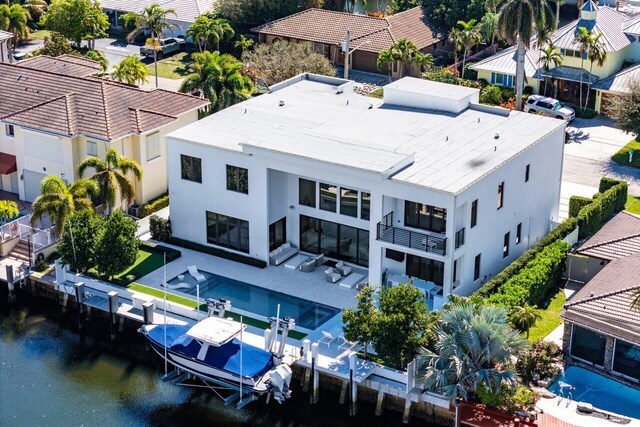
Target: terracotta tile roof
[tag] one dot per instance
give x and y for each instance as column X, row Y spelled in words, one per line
column 604, row 303
column 5, row 35
column 326, row 26
column 69, row 65
column 620, row 237
column 72, row 105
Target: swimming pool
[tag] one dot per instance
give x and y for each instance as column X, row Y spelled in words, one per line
column 262, row 301
column 599, row 391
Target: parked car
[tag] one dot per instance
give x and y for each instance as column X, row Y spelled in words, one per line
column 166, row 46
column 549, row 106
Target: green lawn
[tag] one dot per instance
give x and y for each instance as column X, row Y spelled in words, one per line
column 146, row 262
column 172, row 67
column 40, row 35
column 622, row 156
column 188, row 302
column 378, row 93
column 633, row 205
column 550, row 317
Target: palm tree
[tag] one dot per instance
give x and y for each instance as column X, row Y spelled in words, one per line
column 60, row 200
column 100, row 58
column 385, row 57
column 518, row 19
column 469, row 37
column 243, row 44
column 131, row 70
column 549, row 56
column 455, row 36
column 474, row 345
column 14, row 19
column 405, row 52
column 635, row 303
column 111, row 176
column 8, row 210
column 208, row 29
column 595, row 53
column 219, row 78
column 489, row 28
column 525, row 317
column 35, row 8
column 423, row 60
column 153, row 19
column 558, row 4
column 583, row 39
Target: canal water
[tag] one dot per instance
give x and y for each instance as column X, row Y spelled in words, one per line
column 49, row 376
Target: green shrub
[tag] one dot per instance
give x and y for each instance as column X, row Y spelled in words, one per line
column 593, row 216
column 154, row 205
column 558, row 233
column 576, row 203
column 491, row 95
column 538, row 360
column 218, row 252
column 528, row 90
column 535, row 280
column 607, row 183
column 160, row 228
column 585, row 113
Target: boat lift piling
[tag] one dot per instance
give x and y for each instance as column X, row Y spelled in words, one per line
column 315, row 375
column 306, row 353
column 11, row 298
column 353, row 387
column 113, row 308
column 80, row 298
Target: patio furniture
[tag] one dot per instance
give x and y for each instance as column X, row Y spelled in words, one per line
column 193, row 270
column 308, row 266
column 351, row 281
column 327, row 338
column 319, row 260
column 179, row 285
column 346, row 344
column 282, row 253
column 343, row 269
column 331, row 276
column 294, row 263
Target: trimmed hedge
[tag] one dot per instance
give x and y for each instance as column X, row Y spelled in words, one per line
column 535, row 280
column 160, row 228
column 172, row 254
column 558, row 233
column 218, row 252
column 154, row 205
column 593, row 216
column 576, row 203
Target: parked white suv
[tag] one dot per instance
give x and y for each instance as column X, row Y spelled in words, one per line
column 549, row 106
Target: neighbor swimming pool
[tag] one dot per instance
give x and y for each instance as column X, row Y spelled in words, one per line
column 262, row 301
column 599, row 391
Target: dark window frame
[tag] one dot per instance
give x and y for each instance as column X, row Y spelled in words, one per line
column 505, row 244
column 279, row 225
column 518, row 233
column 415, row 218
column 195, row 165
column 364, row 216
column 225, row 225
column 236, row 181
column 501, row 195
column 624, row 367
column 526, row 173
column 455, row 271
column 588, row 353
column 10, row 130
column 429, row 269
column 474, row 213
column 344, row 209
column 361, row 256
column 324, row 203
column 476, row 267
column 311, row 200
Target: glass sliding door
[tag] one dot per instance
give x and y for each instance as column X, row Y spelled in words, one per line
column 588, row 345
column 277, row 233
column 334, row 240
column 329, row 238
column 425, row 269
column 309, row 234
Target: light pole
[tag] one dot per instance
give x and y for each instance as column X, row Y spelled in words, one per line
column 344, row 46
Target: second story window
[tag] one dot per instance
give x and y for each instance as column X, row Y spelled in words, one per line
column 237, row 179
column 426, row 217
column 505, row 245
column 476, row 268
column 153, row 146
column 526, row 173
column 518, row 233
column 307, row 192
column 500, row 194
column 474, row 213
column 191, row 168
column 92, row 148
column 328, row 197
column 365, row 205
column 10, row 130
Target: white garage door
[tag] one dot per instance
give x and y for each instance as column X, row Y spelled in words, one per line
column 31, row 184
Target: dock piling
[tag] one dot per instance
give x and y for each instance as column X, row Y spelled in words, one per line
column 113, row 308
column 80, row 297
column 343, row 392
column 353, row 387
column 315, row 375
column 380, row 401
column 147, row 309
column 11, row 298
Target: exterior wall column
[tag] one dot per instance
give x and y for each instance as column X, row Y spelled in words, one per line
column 608, row 354
column 566, row 338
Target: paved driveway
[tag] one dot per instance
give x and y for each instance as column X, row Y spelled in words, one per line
column 116, row 50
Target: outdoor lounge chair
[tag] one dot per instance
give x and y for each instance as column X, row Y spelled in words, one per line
column 179, row 285
column 343, row 269
column 308, row 266
column 193, row 270
column 346, row 344
column 319, row 260
column 331, row 276
column 327, row 338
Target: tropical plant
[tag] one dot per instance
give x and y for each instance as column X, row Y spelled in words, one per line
column 8, row 210
column 116, row 247
column 635, row 302
column 281, row 60
column 468, row 37
column 14, row 19
column 539, row 361
column 489, row 28
column 549, row 56
column 100, row 58
column 360, row 324
column 153, row 20
column 583, row 38
column 60, row 200
column 77, row 20
column 111, row 176
column 219, row 78
column 56, row 45
column 525, row 317
column 473, row 346
column 35, row 8
column 78, row 240
column 209, row 29
column 491, row 95
column 243, row 44
column 625, row 108
column 446, row 13
column 595, row 53
column 405, row 52
column 517, row 22
column 131, row 70
column 385, row 57
column 558, row 4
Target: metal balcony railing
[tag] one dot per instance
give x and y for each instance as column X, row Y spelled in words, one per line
column 459, row 237
column 410, row 239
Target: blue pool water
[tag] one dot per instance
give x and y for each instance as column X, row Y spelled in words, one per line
column 599, row 391
column 262, row 301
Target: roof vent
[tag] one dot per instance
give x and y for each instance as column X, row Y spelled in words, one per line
column 347, row 102
column 370, row 106
column 478, row 119
column 496, row 136
column 592, row 294
column 446, row 138
column 245, row 111
column 281, row 103
column 495, row 148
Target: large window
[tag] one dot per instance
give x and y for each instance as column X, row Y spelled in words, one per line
column 328, row 197
column 153, row 146
column 237, row 179
column 365, row 205
column 334, row 240
column 425, row 269
column 278, row 233
column 349, row 202
column 228, row 232
column 626, row 359
column 588, row 345
column 9, row 130
column 501, row 195
column 425, row 217
column 92, row 148
column 307, row 192
column 191, row 168
column 502, row 79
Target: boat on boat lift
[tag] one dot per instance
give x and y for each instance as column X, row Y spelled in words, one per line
column 213, row 350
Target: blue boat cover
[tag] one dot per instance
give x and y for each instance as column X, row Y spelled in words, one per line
column 255, row 361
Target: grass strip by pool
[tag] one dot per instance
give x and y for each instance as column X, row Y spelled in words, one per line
column 188, row 302
column 633, row 205
column 550, row 317
column 622, row 156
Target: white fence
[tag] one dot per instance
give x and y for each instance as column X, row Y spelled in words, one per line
column 21, row 227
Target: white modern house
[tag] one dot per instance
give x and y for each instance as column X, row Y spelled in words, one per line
column 426, row 183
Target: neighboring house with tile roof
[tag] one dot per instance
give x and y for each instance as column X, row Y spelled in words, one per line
column 186, row 11
column 326, row 30
column 620, row 40
column 5, row 47
column 602, row 328
column 55, row 114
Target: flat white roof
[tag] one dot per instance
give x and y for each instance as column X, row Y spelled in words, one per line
column 325, row 121
column 429, row 87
